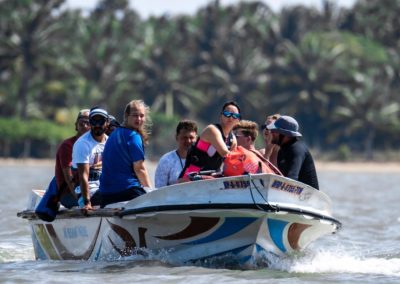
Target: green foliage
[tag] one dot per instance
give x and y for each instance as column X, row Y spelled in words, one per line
column 352, row 44
column 343, row 153
column 16, row 131
column 47, row 131
column 327, row 68
column 13, row 129
column 163, row 134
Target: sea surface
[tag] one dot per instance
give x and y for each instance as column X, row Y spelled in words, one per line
column 365, row 250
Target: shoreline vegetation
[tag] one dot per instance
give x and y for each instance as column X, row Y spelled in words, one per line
column 335, row 69
column 351, row 166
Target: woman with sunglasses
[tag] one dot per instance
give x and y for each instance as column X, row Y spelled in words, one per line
column 214, row 143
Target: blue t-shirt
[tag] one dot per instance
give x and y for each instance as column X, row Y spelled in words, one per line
column 123, row 148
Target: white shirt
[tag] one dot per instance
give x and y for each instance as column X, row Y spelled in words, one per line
column 168, row 169
column 87, row 150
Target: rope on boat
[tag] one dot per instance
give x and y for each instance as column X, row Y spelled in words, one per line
column 251, row 181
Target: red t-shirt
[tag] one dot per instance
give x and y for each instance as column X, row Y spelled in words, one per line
column 64, row 158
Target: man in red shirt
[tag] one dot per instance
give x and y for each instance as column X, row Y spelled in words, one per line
column 66, row 179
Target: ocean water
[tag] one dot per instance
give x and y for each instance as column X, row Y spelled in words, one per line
column 365, row 250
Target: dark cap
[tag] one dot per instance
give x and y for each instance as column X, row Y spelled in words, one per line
column 98, row 111
column 113, row 121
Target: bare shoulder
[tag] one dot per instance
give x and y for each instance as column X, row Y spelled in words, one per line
column 210, row 127
column 210, row 130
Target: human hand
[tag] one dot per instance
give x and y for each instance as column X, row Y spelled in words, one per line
column 88, row 206
column 97, row 166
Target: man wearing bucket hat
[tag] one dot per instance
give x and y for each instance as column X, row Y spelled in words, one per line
column 294, row 158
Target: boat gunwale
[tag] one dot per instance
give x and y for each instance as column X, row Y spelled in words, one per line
column 121, row 212
column 223, row 206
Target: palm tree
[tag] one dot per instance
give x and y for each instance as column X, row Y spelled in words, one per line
column 367, row 110
column 30, row 26
column 101, row 55
column 165, row 67
column 228, row 58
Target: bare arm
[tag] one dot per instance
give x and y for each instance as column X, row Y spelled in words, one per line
column 141, row 173
column 212, row 135
column 68, row 179
column 83, row 172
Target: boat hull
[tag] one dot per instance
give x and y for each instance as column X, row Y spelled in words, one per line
column 243, row 229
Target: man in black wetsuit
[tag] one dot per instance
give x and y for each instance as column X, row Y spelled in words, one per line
column 294, row 158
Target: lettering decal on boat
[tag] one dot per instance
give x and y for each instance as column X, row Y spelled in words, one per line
column 305, row 196
column 235, row 184
column 285, row 186
column 75, row 232
column 63, row 251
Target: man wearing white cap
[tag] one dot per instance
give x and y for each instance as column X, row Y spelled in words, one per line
column 294, row 158
column 87, row 156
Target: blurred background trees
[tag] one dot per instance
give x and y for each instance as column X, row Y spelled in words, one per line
column 336, row 70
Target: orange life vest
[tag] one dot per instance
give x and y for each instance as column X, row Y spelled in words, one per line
column 242, row 161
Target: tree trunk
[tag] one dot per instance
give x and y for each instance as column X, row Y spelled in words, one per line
column 369, row 144
column 6, row 149
column 27, row 68
column 169, row 104
column 27, row 149
column 23, row 93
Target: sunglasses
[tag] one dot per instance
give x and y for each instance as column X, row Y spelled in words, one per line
column 240, row 135
column 99, row 122
column 231, row 114
column 83, row 123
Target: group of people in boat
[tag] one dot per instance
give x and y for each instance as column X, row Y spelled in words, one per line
column 227, row 142
column 104, row 162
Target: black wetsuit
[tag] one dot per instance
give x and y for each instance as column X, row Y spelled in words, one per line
column 296, row 162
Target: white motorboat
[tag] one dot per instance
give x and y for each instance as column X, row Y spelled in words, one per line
column 243, row 218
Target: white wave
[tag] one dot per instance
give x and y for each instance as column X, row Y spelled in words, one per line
column 16, row 251
column 340, row 262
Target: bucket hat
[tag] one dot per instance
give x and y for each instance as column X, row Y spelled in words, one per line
column 285, row 125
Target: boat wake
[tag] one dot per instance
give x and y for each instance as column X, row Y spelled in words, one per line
column 310, row 262
column 338, row 261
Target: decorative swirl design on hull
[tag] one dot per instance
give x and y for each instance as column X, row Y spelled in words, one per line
column 197, row 226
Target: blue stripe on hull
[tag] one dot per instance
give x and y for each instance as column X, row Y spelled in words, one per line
column 276, row 228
